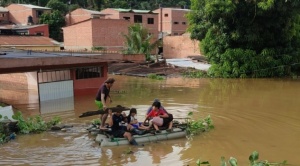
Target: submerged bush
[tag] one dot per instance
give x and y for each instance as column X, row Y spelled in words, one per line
column 194, row 74
column 24, row 126
column 34, row 124
column 253, row 159
column 155, row 76
column 195, row 127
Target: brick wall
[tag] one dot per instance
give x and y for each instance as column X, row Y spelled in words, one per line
column 180, row 47
column 111, row 13
column 76, row 16
column 40, row 29
column 105, row 33
column 169, row 16
column 78, row 36
column 114, row 14
column 178, row 16
column 14, row 87
column 134, row 57
column 18, row 14
column 3, row 16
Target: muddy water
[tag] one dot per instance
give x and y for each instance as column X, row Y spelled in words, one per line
column 249, row 114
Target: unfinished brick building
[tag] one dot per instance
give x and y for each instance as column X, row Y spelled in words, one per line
column 95, row 32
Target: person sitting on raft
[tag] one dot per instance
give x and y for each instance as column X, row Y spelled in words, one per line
column 158, row 117
column 117, row 130
column 151, row 107
column 132, row 120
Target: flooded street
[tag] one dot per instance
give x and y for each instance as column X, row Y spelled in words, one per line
column 248, row 115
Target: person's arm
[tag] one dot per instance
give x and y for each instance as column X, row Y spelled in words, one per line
column 147, row 118
column 163, row 114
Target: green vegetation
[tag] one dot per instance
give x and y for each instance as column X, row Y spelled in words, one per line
column 253, row 159
column 98, row 48
column 194, row 74
column 30, row 125
column 155, row 77
column 253, row 38
column 96, row 122
column 55, row 21
column 195, row 127
column 33, row 124
column 138, row 41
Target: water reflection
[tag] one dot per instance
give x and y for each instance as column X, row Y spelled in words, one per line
column 249, row 114
column 58, row 105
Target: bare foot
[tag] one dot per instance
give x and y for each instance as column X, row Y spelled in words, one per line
column 103, row 128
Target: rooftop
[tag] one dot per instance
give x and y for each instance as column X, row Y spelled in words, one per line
column 26, row 40
column 13, row 26
column 2, row 9
column 93, row 12
column 35, row 7
column 132, row 10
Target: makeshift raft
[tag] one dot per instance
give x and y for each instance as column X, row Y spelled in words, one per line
column 105, row 140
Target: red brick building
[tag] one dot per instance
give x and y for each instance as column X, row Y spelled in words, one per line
column 172, row 21
column 80, row 15
column 3, row 15
column 32, row 30
column 147, row 18
column 96, row 32
column 25, row 14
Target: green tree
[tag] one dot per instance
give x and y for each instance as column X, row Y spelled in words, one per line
column 55, row 20
column 138, row 41
column 252, row 38
column 58, row 5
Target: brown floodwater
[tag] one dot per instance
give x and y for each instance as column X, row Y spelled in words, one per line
column 248, row 115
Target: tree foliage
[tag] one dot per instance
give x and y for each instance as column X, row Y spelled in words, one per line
column 138, row 41
column 247, row 38
column 58, row 5
column 55, row 21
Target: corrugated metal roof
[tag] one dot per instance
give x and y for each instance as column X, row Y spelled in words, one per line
column 27, row 40
column 35, row 7
column 28, row 26
column 132, row 10
column 93, row 12
column 186, row 62
column 13, row 26
column 2, row 9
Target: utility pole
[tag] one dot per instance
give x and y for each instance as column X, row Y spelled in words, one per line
column 161, row 30
column 69, row 3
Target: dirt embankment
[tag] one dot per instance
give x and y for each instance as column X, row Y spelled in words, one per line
column 142, row 70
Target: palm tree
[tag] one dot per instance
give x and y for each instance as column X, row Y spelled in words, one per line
column 138, row 41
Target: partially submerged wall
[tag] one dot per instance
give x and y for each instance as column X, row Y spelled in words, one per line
column 180, row 47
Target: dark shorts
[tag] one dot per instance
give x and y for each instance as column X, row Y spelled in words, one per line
column 118, row 133
column 166, row 121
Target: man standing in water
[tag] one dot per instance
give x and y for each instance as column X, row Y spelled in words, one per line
column 103, row 99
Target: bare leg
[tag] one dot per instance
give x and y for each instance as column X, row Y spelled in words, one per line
column 103, row 120
column 155, row 126
column 170, row 125
column 127, row 135
column 100, row 118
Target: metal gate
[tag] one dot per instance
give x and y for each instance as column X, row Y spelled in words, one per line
column 55, row 85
